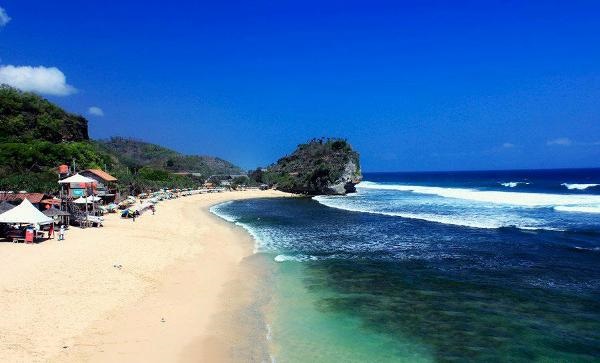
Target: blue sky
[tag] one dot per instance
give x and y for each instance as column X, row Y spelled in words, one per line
column 423, row 85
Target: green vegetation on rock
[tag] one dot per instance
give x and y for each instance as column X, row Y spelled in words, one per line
column 321, row 166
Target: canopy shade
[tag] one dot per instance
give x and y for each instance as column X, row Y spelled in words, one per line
column 25, row 213
column 77, row 178
column 5, row 206
column 89, row 200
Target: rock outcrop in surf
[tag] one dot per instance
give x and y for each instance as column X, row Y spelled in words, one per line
column 319, row 167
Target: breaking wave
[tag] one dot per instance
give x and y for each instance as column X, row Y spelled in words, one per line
column 513, row 184
column 579, row 186
column 474, row 221
column 577, row 209
column 496, row 197
column 471, row 207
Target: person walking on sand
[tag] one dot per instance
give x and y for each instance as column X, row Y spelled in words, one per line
column 133, row 215
column 51, row 231
column 61, row 233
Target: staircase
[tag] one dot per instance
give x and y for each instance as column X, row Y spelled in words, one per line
column 77, row 214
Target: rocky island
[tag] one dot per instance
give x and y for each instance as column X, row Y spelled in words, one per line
column 321, row 166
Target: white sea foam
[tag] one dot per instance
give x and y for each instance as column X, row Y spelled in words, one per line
column 216, row 210
column 496, row 197
column 269, row 334
column 298, row 258
column 474, row 221
column 593, row 249
column 513, row 184
column 577, row 209
column 578, row 186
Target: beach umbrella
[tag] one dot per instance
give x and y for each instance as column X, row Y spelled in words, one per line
column 88, row 200
column 78, row 179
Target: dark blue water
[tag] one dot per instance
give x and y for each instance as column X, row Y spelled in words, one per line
column 397, row 266
column 542, row 181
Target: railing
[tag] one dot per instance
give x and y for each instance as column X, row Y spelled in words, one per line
column 77, row 214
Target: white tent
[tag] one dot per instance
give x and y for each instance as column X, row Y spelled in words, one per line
column 89, row 200
column 77, row 178
column 25, row 213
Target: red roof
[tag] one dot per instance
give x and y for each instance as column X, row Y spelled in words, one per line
column 12, row 197
column 102, row 174
column 54, row 201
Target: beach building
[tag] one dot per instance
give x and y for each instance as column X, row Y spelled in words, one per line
column 39, row 200
column 106, row 184
column 77, row 186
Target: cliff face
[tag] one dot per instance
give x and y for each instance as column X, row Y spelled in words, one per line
column 321, row 166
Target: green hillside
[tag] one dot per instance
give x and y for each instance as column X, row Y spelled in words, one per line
column 36, row 136
column 25, row 116
column 136, row 153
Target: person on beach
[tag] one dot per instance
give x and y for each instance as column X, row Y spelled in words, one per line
column 51, row 231
column 61, row 233
column 153, row 209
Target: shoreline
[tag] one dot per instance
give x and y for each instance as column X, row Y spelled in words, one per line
column 169, row 287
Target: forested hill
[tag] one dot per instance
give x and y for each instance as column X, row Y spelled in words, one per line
column 36, row 136
column 137, row 153
column 26, row 116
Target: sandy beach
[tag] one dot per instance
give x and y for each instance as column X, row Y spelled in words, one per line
column 164, row 288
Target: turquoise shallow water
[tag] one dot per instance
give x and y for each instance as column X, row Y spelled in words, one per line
column 305, row 329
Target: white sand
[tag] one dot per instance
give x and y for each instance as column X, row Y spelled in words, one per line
column 65, row 301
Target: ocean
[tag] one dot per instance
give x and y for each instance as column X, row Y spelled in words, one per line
column 491, row 266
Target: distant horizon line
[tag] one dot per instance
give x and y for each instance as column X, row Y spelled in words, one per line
column 480, row 170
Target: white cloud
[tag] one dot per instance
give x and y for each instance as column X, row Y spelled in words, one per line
column 4, row 18
column 96, row 111
column 508, row 145
column 561, row 141
column 44, row 80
